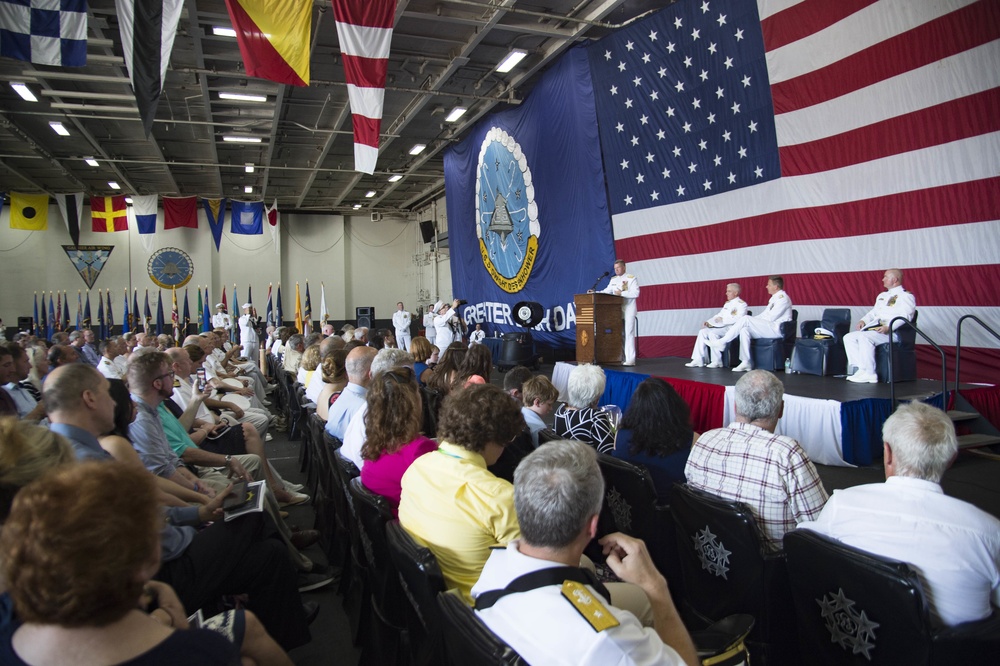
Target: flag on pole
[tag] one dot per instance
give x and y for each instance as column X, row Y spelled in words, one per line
column 307, row 315
column 364, row 28
column 44, row 326
column 269, row 316
column 234, row 332
column 35, row 323
column 126, row 315
column 225, row 305
column 175, row 317
column 274, row 38
column 50, row 329
column 86, row 311
column 133, row 321
column 160, row 320
column 298, row 310
column 65, row 314
column 324, row 314
column 272, row 223
column 58, row 313
column 206, row 314
column 280, row 320
column 147, row 30
column 147, row 315
column 79, row 310
column 110, row 315
column 71, row 209
column 201, row 311
column 186, row 317
column 45, row 33
column 108, row 214
column 102, row 326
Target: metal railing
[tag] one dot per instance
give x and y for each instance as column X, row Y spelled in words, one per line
column 958, row 341
column 892, row 359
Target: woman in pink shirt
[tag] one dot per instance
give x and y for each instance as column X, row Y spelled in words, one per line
column 392, row 425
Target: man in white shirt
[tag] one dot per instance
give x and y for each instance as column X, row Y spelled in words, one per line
column 627, row 286
column 401, row 322
column 248, row 333
column 429, row 331
column 873, row 329
column 444, row 329
column 111, row 350
column 477, row 336
column 716, row 327
column 953, row 546
column 221, row 318
column 765, row 325
column 568, row 618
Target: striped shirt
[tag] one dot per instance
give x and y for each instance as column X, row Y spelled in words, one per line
column 770, row 473
column 589, row 425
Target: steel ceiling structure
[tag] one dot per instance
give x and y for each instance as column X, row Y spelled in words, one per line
column 444, row 54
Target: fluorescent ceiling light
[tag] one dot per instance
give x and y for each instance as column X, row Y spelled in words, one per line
column 249, row 167
column 357, row 206
column 114, row 185
column 241, row 139
column 128, row 200
column 417, row 148
column 59, row 129
column 369, row 194
column 242, row 97
column 510, row 62
column 24, row 91
column 455, row 114
column 223, row 32
column 248, row 189
column 91, row 161
column 395, row 177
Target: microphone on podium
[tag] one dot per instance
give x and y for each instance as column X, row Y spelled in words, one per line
column 604, row 275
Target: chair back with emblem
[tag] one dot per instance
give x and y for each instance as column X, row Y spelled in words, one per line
column 630, row 507
column 469, row 640
column 727, row 571
column 826, row 356
column 422, row 581
column 354, row 584
column 386, row 638
column 855, row 607
column 904, row 355
column 770, row 353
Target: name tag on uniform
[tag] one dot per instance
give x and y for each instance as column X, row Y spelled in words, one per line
column 592, row 610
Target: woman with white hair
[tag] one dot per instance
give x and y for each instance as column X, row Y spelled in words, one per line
column 580, row 418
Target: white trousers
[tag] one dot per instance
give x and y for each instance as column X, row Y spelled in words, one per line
column 748, row 328
column 628, row 312
column 403, row 338
column 700, row 345
column 860, row 348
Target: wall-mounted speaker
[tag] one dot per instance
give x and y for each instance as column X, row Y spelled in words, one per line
column 427, row 230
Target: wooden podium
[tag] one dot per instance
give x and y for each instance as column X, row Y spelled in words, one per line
column 599, row 328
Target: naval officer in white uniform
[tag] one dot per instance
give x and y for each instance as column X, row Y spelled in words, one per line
column 625, row 285
column 716, row 327
column 401, row 322
column 873, row 329
column 765, row 325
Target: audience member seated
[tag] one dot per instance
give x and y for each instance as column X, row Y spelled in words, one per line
column 420, row 347
column 27, row 452
column 111, row 350
column 60, row 355
column 308, row 365
column 514, row 379
column 358, row 364
column 333, row 369
column 361, row 335
column 953, row 546
column 164, row 342
column 748, row 463
column 476, row 368
column 656, row 432
column 293, row 353
column 355, row 434
column 38, row 356
column 540, row 397
column 392, row 432
column 76, row 578
column 558, row 491
column 258, row 417
column 449, row 500
column 580, row 418
column 383, row 339
column 447, row 369
column 82, row 342
column 318, row 381
column 15, row 383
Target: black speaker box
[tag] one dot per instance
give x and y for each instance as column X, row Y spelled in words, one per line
column 427, row 230
column 365, row 316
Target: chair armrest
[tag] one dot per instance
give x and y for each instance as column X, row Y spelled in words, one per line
column 840, row 330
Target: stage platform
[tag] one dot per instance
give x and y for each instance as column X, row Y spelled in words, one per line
column 837, row 422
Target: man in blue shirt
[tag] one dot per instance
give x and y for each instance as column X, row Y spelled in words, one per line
column 359, row 366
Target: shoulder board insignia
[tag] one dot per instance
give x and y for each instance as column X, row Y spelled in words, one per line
column 781, row 295
column 592, row 610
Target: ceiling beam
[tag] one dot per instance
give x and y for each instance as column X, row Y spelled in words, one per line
column 194, row 28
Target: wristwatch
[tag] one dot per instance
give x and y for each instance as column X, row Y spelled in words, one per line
column 229, row 459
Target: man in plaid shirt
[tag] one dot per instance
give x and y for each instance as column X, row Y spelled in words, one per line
column 748, row 463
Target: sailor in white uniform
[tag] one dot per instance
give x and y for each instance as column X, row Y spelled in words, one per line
column 873, row 329
column 625, row 285
column 716, row 327
column 401, row 322
column 765, row 325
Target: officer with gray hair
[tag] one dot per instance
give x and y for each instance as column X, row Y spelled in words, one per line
column 534, row 595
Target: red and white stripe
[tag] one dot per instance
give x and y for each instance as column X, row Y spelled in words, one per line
column 365, row 31
column 889, row 136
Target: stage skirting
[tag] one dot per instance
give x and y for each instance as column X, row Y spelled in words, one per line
column 831, row 432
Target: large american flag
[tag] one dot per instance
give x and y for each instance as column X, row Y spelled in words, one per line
column 823, row 141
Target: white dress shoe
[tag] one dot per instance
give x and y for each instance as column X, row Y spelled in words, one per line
column 694, row 364
column 743, row 367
